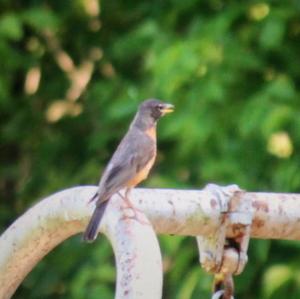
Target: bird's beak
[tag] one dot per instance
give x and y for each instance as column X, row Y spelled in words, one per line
column 168, row 108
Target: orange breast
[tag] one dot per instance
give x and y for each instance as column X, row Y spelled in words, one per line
column 142, row 175
column 151, row 132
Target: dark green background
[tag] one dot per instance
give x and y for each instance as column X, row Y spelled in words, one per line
column 230, row 67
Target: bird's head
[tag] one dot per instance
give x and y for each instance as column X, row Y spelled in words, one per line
column 155, row 109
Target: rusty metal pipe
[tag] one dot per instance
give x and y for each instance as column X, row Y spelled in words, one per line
column 275, row 215
column 180, row 212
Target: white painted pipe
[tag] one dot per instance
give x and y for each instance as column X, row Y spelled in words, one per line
column 181, row 212
column 66, row 213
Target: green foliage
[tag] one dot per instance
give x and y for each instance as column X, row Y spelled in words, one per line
column 230, row 67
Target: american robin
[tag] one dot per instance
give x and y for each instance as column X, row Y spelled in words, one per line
column 131, row 162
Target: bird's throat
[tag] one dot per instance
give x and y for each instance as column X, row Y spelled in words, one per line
column 151, row 132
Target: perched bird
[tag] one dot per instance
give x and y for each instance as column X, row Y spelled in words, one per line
column 131, row 162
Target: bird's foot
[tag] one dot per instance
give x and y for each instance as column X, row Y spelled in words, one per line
column 130, row 212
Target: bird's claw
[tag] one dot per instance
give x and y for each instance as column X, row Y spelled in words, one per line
column 130, row 212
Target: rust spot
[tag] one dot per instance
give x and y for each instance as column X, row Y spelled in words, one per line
column 213, row 203
column 260, row 206
column 258, row 223
column 238, row 231
column 239, row 238
column 237, row 227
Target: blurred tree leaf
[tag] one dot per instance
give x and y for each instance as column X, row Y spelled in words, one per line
column 40, row 18
column 272, row 33
column 11, row 27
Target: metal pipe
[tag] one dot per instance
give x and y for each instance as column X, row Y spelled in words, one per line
column 180, row 212
column 66, row 213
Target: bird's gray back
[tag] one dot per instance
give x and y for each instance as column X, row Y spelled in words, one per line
column 134, row 151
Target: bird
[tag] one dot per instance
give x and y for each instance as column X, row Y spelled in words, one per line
column 131, row 162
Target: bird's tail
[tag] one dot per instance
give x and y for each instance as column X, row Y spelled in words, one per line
column 91, row 231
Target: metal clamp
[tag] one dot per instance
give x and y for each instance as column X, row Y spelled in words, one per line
column 225, row 251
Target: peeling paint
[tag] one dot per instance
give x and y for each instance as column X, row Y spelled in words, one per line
column 258, row 205
column 184, row 212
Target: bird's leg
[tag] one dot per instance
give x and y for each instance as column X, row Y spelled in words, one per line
column 127, row 200
column 120, row 194
column 129, row 205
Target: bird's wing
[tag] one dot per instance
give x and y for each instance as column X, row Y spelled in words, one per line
column 133, row 153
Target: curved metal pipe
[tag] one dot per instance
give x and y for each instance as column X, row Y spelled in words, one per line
column 66, row 213
column 182, row 212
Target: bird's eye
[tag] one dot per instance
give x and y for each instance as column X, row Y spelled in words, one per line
column 160, row 106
